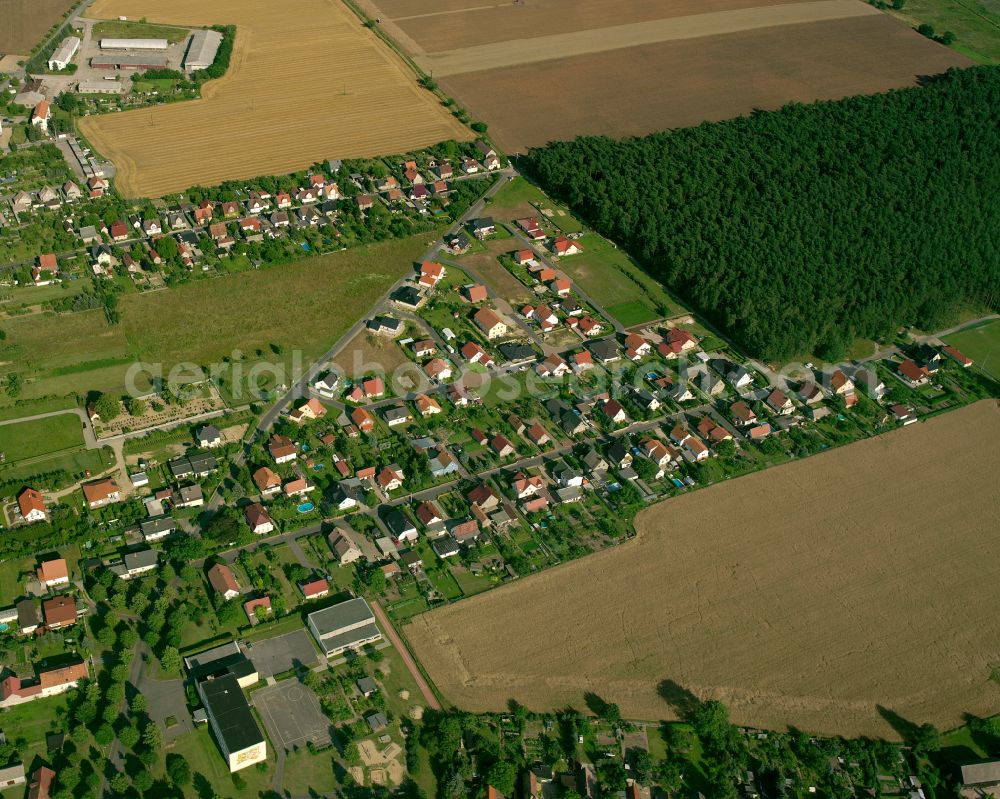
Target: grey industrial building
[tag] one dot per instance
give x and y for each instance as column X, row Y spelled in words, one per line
column 201, row 50
column 346, row 625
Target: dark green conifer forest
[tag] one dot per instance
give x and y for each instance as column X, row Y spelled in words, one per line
column 800, row 229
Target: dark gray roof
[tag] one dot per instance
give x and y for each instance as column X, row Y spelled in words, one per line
column 344, row 614
column 397, row 522
column 226, row 703
column 27, row 613
column 604, row 349
column 142, row 559
column 367, row 685
column 514, row 351
column 209, row 433
column 157, row 524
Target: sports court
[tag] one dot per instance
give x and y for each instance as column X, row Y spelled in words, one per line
column 292, row 715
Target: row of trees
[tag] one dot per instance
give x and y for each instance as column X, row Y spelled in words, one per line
column 800, row 229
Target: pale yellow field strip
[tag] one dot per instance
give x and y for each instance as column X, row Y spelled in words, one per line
column 618, row 37
column 809, row 594
column 306, row 82
column 451, row 11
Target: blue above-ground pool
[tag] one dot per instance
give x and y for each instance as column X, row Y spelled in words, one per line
column 305, row 507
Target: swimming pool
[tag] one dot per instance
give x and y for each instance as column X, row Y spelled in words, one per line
column 305, row 507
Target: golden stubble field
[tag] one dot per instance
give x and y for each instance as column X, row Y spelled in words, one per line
column 306, row 82
column 809, row 595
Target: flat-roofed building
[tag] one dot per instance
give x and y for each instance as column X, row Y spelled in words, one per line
column 202, row 49
column 346, row 625
column 100, row 87
column 236, row 730
column 11, row 776
column 133, row 44
column 126, row 61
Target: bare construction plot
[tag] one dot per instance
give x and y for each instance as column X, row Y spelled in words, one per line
column 306, row 82
column 809, row 595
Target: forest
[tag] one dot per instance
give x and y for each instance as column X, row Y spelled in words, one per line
column 802, row 229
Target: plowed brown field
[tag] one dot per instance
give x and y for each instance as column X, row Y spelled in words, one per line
column 810, row 594
column 543, row 70
column 682, row 83
column 306, row 82
column 23, row 22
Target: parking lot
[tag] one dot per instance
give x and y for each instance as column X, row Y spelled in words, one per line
column 276, row 655
column 292, row 714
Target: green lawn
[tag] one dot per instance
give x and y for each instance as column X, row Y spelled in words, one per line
column 632, row 313
column 11, row 584
column 281, row 316
column 975, row 23
column 982, row 344
column 129, row 29
column 205, row 759
column 32, row 721
column 517, row 192
column 40, row 437
column 74, row 463
column 306, row 773
column 608, row 275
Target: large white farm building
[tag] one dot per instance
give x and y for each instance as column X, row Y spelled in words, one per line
column 202, row 49
column 64, row 53
column 133, row 44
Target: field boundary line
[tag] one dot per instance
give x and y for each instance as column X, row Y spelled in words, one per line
column 517, row 52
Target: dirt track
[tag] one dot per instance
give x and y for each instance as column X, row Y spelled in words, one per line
column 807, row 595
column 306, row 82
column 620, row 37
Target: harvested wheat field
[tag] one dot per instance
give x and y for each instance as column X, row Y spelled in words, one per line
column 806, row 595
column 554, row 69
column 306, row 82
column 23, row 22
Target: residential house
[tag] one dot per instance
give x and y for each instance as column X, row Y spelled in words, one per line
column 222, row 579
column 492, row 325
column 438, row 369
column 531, row 228
column 427, row 406
column 779, row 402
column 345, row 550
column 258, row 519
column 59, row 612
column 431, row 273
column 307, row 411
column 53, row 573
column 363, row 420
column 553, row 366
column 810, row 393
column 564, row 246
column 297, row 487
column 429, row 515
column 613, row 410
column 282, row 449
column 100, row 493
column 636, row 347
column 315, row 589
column 475, row 292
column 957, row 356
column 390, row 478
column 399, row 525
column 31, row 506
column 743, row 414
column 913, row 375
